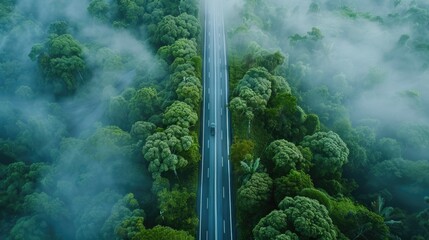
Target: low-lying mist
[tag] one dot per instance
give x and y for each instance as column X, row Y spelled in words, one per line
column 84, row 165
column 362, row 67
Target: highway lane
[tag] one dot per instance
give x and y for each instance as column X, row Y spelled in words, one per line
column 215, row 201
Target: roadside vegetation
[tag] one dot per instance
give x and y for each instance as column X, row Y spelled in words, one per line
column 309, row 161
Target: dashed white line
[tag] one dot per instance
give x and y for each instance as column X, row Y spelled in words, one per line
column 208, row 172
column 223, row 192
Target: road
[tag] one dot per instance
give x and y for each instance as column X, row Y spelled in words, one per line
column 214, row 197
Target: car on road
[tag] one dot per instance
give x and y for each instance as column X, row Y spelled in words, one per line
column 212, row 128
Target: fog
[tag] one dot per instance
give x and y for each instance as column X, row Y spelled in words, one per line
column 91, row 165
column 371, row 58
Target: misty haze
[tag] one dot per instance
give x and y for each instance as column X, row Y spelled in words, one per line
column 105, row 128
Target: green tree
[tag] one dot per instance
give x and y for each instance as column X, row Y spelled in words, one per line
column 241, row 149
column 190, row 92
column 162, row 150
column 254, row 199
column 181, row 114
column 17, row 181
column 31, row 228
column 357, row 222
column 177, row 209
column 282, row 156
column 163, row 233
column 172, row 28
column 329, row 153
column 297, row 218
column 61, row 62
column 123, row 213
column 291, row 185
column 92, row 216
column 249, row 168
column 99, row 9
column 130, row 12
column 143, row 104
column 141, row 130
column 118, row 111
column 183, row 48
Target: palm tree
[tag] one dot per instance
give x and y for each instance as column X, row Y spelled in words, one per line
column 249, row 168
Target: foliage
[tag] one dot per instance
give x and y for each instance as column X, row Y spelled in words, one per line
column 181, row 114
column 291, row 185
column 241, row 149
column 297, row 218
column 329, row 153
column 17, row 181
column 123, row 213
column 356, row 221
column 141, row 130
column 190, row 92
column 162, row 233
column 282, row 156
column 61, row 62
column 249, row 168
column 253, row 200
column 318, row 195
column 177, row 209
column 143, row 104
column 160, row 156
column 172, row 28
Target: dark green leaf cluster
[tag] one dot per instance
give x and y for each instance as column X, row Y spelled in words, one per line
column 61, row 61
column 329, row 153
column 297, row 218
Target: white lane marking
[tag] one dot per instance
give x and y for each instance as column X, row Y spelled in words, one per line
column 222, row 161
column 221, row 135
column 208, row 172
column 207, row 235
column 208, row 143
column 207, row 204
column 224, row 226
column 223, row 192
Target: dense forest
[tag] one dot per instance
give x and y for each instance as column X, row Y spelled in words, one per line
column 99, row 118
column 336, row 140
column 100, row 108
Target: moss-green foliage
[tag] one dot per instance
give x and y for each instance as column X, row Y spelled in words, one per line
column 291, row 185
column 241, row 150
column 177, row 209
column 356, row 221
column 297, row 218
column 282, row 156
column 17, row 181
column 329, row 153
column 162, row 233
column 61, row 61
column 318, row 195
column 253, row 201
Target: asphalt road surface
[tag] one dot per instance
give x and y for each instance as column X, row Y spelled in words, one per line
column 214, row 198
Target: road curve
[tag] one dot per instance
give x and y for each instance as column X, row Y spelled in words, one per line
column 215, row 208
